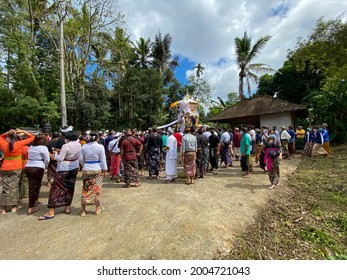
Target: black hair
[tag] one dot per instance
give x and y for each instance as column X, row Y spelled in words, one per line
column 94, row 136
column 13, row 138
column 71, row 135
column 55, row 134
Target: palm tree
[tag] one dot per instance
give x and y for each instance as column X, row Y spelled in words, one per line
column 199, row 70
column 142, row 49
column 245, row 54
column 161, row 53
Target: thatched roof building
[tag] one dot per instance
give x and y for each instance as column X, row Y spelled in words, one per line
column 264, row 110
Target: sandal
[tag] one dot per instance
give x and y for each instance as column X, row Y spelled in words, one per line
column 187, row 182
column 137, row 184
column 271, row 187
column 33, row 210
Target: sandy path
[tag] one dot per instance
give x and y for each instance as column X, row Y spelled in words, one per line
column 154, row 221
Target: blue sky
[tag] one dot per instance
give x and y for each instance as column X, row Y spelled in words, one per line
column 184, row 65
column 204, row 31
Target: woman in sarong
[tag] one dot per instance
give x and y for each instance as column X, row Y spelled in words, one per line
column 308, row 142
column 93, row 159
column 272, row 157
column 11, row 169
column 129, row 156
column 38, row 159
column 63, row 187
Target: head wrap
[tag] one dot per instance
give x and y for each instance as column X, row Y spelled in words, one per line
column 66, row 129
column 170, row 130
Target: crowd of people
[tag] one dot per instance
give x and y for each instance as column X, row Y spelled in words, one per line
column 126, row 154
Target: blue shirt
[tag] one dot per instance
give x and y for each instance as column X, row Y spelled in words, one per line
column 325, row 135
column 292, row 135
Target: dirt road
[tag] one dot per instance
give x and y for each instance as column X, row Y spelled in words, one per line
column 155, row 221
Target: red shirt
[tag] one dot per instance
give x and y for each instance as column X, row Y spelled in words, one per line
column 128, row 147
column 237, row 139
column 178, row 137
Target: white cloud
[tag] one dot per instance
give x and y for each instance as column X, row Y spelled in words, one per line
column 204, row 30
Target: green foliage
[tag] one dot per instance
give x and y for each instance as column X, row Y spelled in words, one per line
column 220, row 105
column 110, row 81
column 315, row 74
column 138, row 101
column 199, row 89
column 306, row 219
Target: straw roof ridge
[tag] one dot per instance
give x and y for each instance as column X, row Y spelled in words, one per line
column 257, row 106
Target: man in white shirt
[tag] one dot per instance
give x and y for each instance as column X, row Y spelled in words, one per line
column 171, row 157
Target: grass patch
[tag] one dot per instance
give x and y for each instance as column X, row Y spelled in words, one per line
column 307, row 219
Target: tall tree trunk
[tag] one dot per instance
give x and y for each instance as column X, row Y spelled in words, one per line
column 8, row 74
column 241, row 95
column 62, row 74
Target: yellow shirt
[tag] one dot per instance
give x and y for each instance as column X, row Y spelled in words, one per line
column 300, row 133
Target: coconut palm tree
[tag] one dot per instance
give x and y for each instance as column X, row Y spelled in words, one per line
column 245, row 54
column 142, row 49
column 161, row 57
column 199, row 70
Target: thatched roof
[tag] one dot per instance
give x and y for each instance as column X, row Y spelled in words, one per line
column 258, row 106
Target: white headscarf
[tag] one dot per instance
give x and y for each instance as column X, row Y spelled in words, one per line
column 66, row 129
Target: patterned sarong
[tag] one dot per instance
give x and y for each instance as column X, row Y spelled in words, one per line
column 23, row 186
column 189, row 164
column 131, row 174
column 62, row 189
column 154, row 162
column 10, row 187
column 92, row 185
column 308, row 149
column 200, row 171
